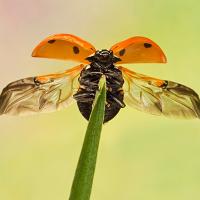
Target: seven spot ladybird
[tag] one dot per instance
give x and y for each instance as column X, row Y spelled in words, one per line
column 54, row 91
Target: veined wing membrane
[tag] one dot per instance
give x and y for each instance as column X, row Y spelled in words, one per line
column 39, row 94
column 160, row 97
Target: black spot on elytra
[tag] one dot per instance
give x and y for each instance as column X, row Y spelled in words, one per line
column 165, row 84
column 147, row 45
column 122, row 52
column 51, row 41
column 76, row 50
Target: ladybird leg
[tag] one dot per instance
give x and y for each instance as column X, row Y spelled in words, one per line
column 89, row 80
column 87, row 73
column 89, row 86
column 114, row 74
column 119, row 102
column 114, row 77
column 117, row 97
column 84, row 96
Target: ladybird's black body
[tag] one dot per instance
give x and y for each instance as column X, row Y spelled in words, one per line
column 102, row 63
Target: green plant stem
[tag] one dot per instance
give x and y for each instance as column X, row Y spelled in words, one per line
column 83, row 179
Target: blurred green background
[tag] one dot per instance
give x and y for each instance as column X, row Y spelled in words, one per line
column 141, row 156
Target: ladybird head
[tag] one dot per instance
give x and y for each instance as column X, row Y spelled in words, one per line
column 103, row 56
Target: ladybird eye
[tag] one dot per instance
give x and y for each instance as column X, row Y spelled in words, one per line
column 147, row 45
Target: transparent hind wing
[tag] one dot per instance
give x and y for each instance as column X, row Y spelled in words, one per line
column 39, row 94
column 160, row 97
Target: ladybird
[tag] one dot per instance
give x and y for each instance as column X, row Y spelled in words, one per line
column 123, row 87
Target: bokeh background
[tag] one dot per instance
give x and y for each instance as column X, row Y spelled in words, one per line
column 140, row 156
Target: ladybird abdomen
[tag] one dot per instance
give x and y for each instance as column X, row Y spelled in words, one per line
column 89, row 79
